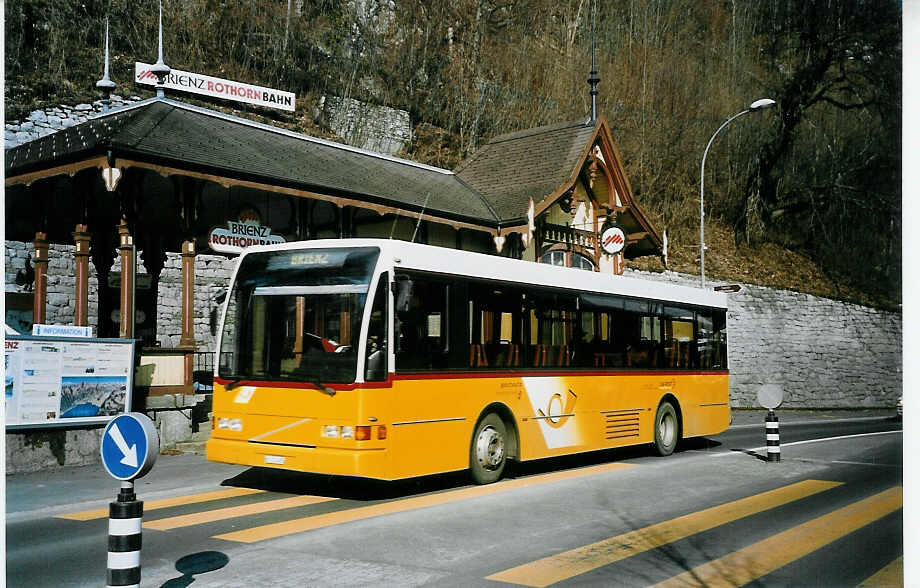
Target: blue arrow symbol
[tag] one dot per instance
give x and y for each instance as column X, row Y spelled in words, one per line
column 129, row 454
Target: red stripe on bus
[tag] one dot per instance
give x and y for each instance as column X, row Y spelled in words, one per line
column 551, row 374
column 388, row 383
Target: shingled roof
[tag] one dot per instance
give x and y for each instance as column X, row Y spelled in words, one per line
column 489, row 191
column 175, row 134
column 511, row 169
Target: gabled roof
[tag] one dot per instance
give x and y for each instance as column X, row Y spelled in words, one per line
column 511, row 169
column 179, row 135
column 489, row 191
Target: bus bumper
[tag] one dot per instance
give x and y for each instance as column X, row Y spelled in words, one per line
column 365, row 463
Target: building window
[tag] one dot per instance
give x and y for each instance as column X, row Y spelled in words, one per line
column 565, row 258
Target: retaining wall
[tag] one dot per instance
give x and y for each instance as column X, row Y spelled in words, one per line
column 823, row 353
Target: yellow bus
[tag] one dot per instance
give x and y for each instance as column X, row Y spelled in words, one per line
column 386, row 359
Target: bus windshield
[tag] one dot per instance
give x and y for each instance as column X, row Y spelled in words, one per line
column 295, row 315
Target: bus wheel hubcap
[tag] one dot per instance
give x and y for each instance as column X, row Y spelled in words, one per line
column 666, row 430
column 490, row 448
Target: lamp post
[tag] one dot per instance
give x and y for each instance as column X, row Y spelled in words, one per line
column 758, row 105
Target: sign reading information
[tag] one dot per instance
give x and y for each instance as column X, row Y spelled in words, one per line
column 61, row 331
column 217, row 88
column 66, row 380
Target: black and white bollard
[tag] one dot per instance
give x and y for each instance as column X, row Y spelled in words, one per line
column 129, row 448
column 772, row 426
column 124, row 562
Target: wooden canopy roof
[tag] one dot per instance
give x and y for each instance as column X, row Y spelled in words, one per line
column 490, row 191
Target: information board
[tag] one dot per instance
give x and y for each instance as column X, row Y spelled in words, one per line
column 65, row 381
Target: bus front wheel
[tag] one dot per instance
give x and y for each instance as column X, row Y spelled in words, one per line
column 667, row 429
column 488, row 449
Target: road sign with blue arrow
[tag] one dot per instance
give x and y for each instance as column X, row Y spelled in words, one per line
column 130, row 446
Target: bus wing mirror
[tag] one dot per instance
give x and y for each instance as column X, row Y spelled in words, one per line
column 215, row 311
column 403, row 293
column 376, row 370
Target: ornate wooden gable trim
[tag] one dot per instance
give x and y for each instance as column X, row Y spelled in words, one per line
column 600, row 160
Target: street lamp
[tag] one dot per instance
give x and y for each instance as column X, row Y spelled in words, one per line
column 758, row 105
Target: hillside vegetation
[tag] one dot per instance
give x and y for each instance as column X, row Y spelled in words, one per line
column 805, row 195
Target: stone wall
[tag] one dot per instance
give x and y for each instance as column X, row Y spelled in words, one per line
column 39, row 449
column 212, row 276
column 823, row 353
column 44, row 122
column 368, row 126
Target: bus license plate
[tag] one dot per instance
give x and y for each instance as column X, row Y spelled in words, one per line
column 274, row 459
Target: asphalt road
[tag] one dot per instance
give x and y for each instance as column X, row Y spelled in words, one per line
column 828, row 514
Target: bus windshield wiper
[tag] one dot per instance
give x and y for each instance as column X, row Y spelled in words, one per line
column 233, row 383
column 320, row 386
column 301, row 372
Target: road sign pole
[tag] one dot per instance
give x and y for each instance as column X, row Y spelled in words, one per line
column 129, row 448
column 125, row 517
column 772, row 427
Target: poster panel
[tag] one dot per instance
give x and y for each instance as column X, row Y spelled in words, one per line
column 63, row 381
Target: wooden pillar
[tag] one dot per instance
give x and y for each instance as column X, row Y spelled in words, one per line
column 596, row 236
column 188, row 306
column 188, row 294
column 81, row 254
column 40, row 262
column 126, row 254
column 300, row 318
column 619, row 264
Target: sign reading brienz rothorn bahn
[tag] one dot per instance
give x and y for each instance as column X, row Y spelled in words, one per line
column 239, row 234
column 130, row 445
column 217, row 88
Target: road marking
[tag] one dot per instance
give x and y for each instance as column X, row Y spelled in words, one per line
column 753, row 562
column 562, row 566
column 355, row 514
column 220, row 514
column 846, row 462
column 101, row 513
column 807, row 441
column 890, row 576
column 828, row 421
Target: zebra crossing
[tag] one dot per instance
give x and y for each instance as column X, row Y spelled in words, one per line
column 735, row 568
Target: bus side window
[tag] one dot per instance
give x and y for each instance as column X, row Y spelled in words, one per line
column 375, row 366
column 421, row 327
column 496, row 327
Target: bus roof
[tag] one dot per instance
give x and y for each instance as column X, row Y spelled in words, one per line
column 396, row 254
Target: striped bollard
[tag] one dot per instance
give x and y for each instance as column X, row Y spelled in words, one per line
column 124, row 561
column 772, row 426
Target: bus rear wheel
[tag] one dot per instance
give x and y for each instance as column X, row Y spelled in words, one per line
column 667, row 429
column 488, row 449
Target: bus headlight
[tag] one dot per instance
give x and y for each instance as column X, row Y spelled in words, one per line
column 231, row 424
column 356, row 432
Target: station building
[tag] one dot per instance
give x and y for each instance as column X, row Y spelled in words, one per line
column 140, row 211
